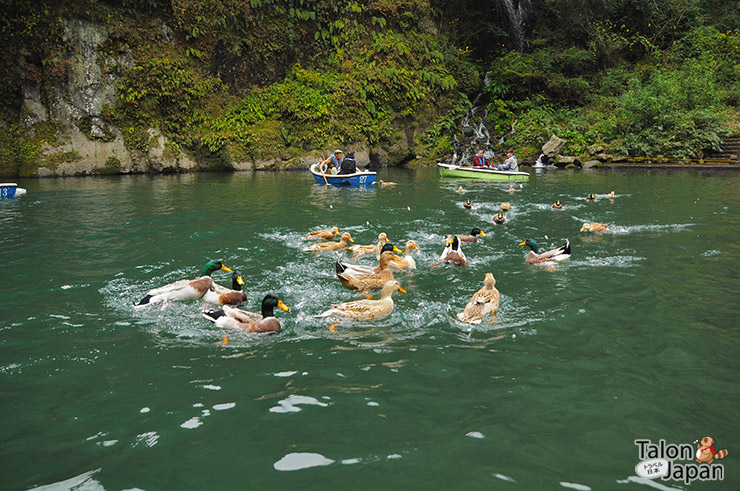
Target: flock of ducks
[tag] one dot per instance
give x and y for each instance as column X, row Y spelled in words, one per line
column 363, row 278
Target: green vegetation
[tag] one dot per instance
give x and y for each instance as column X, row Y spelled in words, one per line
column 247, row 80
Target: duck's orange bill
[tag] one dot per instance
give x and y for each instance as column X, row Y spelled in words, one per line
column 400, row 289
column 283, row 306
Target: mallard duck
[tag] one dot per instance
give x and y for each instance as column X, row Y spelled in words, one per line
column 557, row 205
column 220, row 295
column 453, row 253
column 461, row 190
column 594, row 227
column 473, row 237
column 407, row 262
column 483, row 302
column 363, row 250
column 323, row 233
column 611, row 195
column 370, row 281
column 342, row 267
column 249, row 321
column 331, row 246
column 499, row 218
column 505, row 206
column 468, row 205
column 384, row 183
column 184, row 289
column 556, row 255
column 591, row 197
column 367, row 310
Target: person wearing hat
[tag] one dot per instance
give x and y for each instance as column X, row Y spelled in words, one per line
column 333, row 163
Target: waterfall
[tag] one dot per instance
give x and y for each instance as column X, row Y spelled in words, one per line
column 517, row 12
column 540, row 163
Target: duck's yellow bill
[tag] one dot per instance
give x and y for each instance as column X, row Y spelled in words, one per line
column 396, row 249
column 224, row 268
column 282, row 305
column 400, row 289
column 396, row 258
column 414, row 246
column 240, row 280
column 482, row 233
column 583, row 228
column 351, row 240
column 523, row 243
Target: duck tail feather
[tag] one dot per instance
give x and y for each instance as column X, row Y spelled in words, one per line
column 213, row 315
column 143, row 301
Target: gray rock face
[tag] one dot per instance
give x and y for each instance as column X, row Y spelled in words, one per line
column 553, row 146
column 592, row 164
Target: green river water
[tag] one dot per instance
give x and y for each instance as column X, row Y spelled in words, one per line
column 635, row 337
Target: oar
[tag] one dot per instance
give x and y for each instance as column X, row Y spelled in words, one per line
column 323, row 174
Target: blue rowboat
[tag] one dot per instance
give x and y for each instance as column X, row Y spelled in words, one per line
column 10, row 189
column 359, row 178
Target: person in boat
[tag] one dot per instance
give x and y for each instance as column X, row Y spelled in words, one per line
column 510, row 164
column 480, row 160
column 349, row 166
column 333, row 163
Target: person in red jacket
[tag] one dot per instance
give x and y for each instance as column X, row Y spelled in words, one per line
column 480, row 160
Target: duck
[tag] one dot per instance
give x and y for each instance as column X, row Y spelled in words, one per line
column 342, row 267
column 371, row 281
column 557, row 205
column 366, row 309
column 468, row 205
column 611, row 195
column 323, row 233
column 473, row 237
column 220, row 295
column 385, row 183
column 234, row 318
column 483, row 302
column 453, row 253
column 498, row 218
column 511, row 188
column 555, row 255
column 461, row 190
column 591, row 197
column 505, row 206
column 331, row 246
column 407, row 262
column 363, row 250
column 595, row 227
column 184, row 289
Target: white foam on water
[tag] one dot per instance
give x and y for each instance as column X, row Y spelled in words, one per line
column 285, row 374
column 83, row 481
column 504, row 478
column 301, row 460
column 351, row 461
column 475, row 434
column 573, row 485
column 150, row 438
column 192, row 423
column 291, row 403
column 224, row 406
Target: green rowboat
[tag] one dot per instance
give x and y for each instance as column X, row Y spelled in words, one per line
column 448, row 170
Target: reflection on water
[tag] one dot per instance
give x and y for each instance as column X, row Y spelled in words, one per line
column 616, row 344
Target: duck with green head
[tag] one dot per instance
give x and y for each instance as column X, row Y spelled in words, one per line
column 557, row 205
column 473, row 237
column 555, row 255
column 234, row 318
column 499, row 218
column 220, row 295
column 185, row 289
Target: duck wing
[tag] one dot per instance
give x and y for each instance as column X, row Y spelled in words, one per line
column 560, row 254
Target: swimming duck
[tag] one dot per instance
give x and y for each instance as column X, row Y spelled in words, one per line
column 611, row 195
column 363, row 250
column 594, row 227
column 368, row 310
column 499, row 218
column 453, row 253
column 483, row 302
column 511, row 188
column 472, row 237
column 505, row 206
column 331, row 246
column 407, row 262
column 591, row 197
column 184, row 289
column 555, row 255
column 370, row 281
column 557, row 205
column 384, row 183
column 468, row 205
column 461, row 190
column 323, row 233
column 220, row 295
column 249, row 321
column 342, row 267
